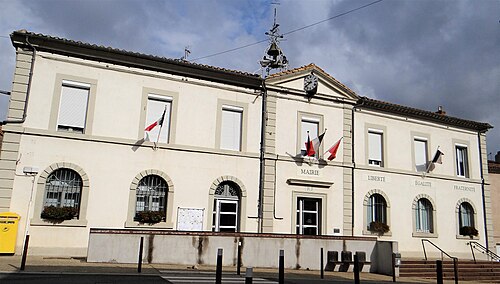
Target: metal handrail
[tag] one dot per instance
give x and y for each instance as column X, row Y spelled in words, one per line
column 475, row 245
column 455, row 259
column 442, row 251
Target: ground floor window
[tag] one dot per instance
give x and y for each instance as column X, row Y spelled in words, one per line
column 377, row 209
column 226, row 207
column 151, row 196
column 423, row 216
column 466, row 215
column 308, row 216
column 63, row 188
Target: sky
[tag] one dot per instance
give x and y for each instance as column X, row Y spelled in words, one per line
column 421, row 54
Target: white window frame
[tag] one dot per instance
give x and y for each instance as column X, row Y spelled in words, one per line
column 426, row 153
column 165, row 130
column 78, row 127
column 372, row 161
column 237, row 136
column 461, row 157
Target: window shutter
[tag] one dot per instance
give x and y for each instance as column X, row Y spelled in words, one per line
column 374, row 146
column 73, row 106
column 231, row 128
column 155, row 109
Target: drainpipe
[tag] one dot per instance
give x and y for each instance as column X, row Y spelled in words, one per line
column 353, row 164
column 482, row 189
column 261, row 156
column 28, row 90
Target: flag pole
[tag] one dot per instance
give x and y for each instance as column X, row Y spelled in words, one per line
column 430, row 162
column 159, row 131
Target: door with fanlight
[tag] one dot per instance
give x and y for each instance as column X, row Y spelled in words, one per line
column 226, row 208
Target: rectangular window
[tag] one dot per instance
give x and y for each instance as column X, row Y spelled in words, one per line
column 462, row 166
column 232, row 118
column 156, row 106
column 420, row 148
column 308, row 216
column 73, row 106
column 309, row 126
column 375, row 148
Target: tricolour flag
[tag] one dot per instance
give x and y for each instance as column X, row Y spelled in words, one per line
column 333, row 150
column 438, row 157
column 157, row 122
column 312, row 147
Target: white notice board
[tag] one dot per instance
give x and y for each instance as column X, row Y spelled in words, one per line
column 190, row 219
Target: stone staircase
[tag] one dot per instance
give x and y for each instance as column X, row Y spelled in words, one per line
column 481, row 271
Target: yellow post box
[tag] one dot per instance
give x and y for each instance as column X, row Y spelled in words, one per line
column 8, row 231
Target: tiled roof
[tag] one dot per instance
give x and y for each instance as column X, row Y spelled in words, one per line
column 493, row 167
column 107, row 54
column 313, row 66
column 365, row 102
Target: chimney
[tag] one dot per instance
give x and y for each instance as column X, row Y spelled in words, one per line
column 497, row 157
column 440, row 111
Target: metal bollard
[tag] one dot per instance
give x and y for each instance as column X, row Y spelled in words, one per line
column 356, row 269
column 322, row 268
column 439, row 271
column 139, row 262
column 249, row 275
column 238, row 265
column 218, row 271
column 282, row 267
column 25, row 253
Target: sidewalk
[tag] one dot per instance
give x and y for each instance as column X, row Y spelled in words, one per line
column 50, row 265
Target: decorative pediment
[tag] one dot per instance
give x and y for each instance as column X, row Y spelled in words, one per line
column 326, row 84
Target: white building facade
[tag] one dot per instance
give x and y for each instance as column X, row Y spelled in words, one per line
column 229, row 155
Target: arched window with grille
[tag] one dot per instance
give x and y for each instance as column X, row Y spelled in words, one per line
column 226, row 209
column 423, row 216
column 63, row 188
column 151, row 195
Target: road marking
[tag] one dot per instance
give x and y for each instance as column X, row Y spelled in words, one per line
column 206, row 279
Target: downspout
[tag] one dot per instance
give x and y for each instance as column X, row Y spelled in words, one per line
column 28, row 89
column 482, row 189
column 353, row 165
column 261, row 156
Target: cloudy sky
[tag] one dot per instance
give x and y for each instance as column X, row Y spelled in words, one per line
column 421, row 53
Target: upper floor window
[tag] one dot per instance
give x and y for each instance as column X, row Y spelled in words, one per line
column 63, row 188
column 73, row 106
column 462, row 166
column 375, row 148
column 231, row 128
column 158, row 111
column 309, row 130
column 420, row 152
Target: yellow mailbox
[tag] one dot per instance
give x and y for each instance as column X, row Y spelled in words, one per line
column 8, row 231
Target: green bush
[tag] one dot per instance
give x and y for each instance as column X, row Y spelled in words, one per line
column 379, row 227
column 468, row 231
column 59, row 213
column 150, row 217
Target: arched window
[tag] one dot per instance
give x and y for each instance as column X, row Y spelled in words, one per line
column 226, row 207
column 377, row 209
column 63, row 188
column 423, row 216
column 151, row 195
column 466, row 215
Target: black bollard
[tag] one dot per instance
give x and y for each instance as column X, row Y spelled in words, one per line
column 282, row 267
column 25, row 252
column 218, row 271
column 139, row 262
column 393, row 267
column 248, row 275
column 439, row 271
column 238, row 267
column 322, row 265
column 356, row 269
